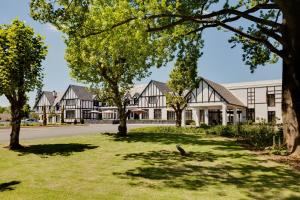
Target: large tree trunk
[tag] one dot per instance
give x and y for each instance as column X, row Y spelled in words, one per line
column 291, row 75
column 178, row 117
column 122, row 129
column 15, row 130
column 291, row 108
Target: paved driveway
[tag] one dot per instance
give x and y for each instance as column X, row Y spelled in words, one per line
column 47, row 132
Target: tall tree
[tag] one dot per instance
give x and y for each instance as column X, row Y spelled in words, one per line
column 183, row 78
column 269, row 29
column 110, row 61
column 21, row 54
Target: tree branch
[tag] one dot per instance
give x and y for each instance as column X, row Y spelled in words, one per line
column 257, row 39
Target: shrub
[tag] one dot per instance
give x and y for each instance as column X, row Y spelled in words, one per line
column 169, row 129
column 204, row 126
column 81, row 121
column 257, row 135
column 75, row 121
column 228, row 131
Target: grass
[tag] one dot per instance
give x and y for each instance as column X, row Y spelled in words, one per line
column 145, row 165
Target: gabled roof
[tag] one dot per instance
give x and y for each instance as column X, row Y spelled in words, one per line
column 162, row 87
column 82, row 92
column 137, row 90
column 224, row 93
column 49, row 96
column 59, row 95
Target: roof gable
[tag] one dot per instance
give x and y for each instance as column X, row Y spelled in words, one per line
column 82, row 92
column 162, row 87
column 224, row 93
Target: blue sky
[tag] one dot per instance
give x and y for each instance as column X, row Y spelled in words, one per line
column 219, row 63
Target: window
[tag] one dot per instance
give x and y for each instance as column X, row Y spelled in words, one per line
column 70, row 114
column 152, row 100
column 157, row 113
column 188, row 115
column 86, row 114
column 251, row 114
column 136, row 101
column 251, row 95
column 70, row 102
column 271, row 117
column 96, row 103
column 171, row 115
column 271, row 100
column 145, row 115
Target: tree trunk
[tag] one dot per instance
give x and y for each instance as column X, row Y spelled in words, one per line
column 44, row 116
column 291, row 109
column 122, row 129
column 178, row 117
column 15, row 130
column 291, row 76
column 62, row 117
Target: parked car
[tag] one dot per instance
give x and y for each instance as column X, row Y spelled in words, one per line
column 29, row 121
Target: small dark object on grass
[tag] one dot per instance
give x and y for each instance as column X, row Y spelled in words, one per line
column 181, row 150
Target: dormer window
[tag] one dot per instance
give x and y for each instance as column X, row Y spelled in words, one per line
column 136, row 101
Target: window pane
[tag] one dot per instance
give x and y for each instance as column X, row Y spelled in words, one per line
column 145, row 115
column 152, row 100
column 170, row 115
column 188, row 115
column 251, row 114
column 271, row 117
column 157, row 113
column 70, row 114
column 271, row 100
column 70, row 102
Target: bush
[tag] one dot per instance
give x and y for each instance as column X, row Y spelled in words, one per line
column 169, row 129
column 204, row 126
column 75, row 121
column 81, row 121
column 228, row 131
column 258, row 135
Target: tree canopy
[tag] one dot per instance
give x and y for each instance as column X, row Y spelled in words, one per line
column 21, row 54
column 266, row 29
column 183, row 78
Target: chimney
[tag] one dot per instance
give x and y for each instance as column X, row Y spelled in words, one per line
column 54, row 93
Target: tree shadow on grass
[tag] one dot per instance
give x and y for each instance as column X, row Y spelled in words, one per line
column 172, row 138
column 45, row 150
column 255, row 179
column 8, row 186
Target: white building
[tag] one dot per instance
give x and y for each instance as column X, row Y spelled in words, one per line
column 210, row 103
column 262, row 99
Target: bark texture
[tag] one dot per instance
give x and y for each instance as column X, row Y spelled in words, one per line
column 122, row 129
column 178, row 117
column 291, row 75
column 16, row 117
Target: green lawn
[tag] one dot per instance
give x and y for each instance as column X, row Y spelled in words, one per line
column 143, row 166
